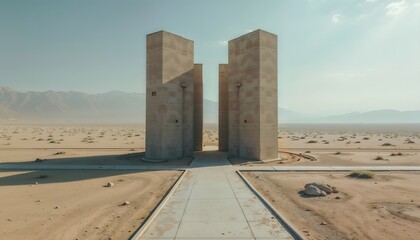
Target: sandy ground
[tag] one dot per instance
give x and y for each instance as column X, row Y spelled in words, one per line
column 76, row 205
column 332, row 157
column 210, row 135
column 72, row 136
column 386, row 207
column 341, row 136
column 339, row 145
column 347, row 145
column 76, row 144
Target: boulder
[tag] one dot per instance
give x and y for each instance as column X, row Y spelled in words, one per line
column 312, row 190
column 322, row 186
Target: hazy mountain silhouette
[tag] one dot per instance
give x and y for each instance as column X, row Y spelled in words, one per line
column 378, row 116
column 115, row 106
column 72, row 106
column 123, row 107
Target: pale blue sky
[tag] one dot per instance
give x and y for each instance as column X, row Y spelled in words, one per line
column 334, row 56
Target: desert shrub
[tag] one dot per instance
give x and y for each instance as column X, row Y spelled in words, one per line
column 337, row 153
column 379, row 158
column 387, row 144
column 312, row 141
column 362, row 174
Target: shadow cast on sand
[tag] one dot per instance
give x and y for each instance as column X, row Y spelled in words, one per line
column 130, row 159
column 31, row 172
column 33, row 177
column 302, row 194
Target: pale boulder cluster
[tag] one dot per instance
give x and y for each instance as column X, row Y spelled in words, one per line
column 319, row 189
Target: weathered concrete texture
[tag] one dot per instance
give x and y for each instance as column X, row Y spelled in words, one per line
column 198, row 107
column 252, row 90
column 223, row 108
column 170, row 93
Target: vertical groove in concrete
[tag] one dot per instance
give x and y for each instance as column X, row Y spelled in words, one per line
column 223, row 108
column 198, row 107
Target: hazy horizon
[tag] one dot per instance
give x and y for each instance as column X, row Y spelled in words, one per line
column 335, row 57
column 213, row 101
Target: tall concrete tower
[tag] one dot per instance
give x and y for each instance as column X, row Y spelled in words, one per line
column 252, row 96
column 170, row 96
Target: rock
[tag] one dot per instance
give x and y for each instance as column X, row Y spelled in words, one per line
column 334, row 190
column 311, row 190
column 323, row 223
column 126, row 203
column 322, row 186
column 57, row 207
column 109, row 184
column 338, row 197
column 39, row 160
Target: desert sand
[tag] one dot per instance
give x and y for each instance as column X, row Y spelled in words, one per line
column 72, row 136
column 385, row 207
column 343, row 145
column 339, row 145
column 75, row 204
column 346, row 145
column 87, row 210
column 75, row 144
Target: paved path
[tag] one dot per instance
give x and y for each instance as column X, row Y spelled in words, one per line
column 212, row 202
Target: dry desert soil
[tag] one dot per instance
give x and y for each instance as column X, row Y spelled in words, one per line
column 63, row 204
column 385, row 207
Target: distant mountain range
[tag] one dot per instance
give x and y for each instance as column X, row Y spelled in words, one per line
column 379, row 116
column 123, row 107
column 57, row 106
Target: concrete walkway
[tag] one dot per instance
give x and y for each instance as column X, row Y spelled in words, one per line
column 212, row 202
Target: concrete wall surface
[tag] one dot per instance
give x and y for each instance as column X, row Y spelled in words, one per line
column 170, row 96
column 252, row 93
